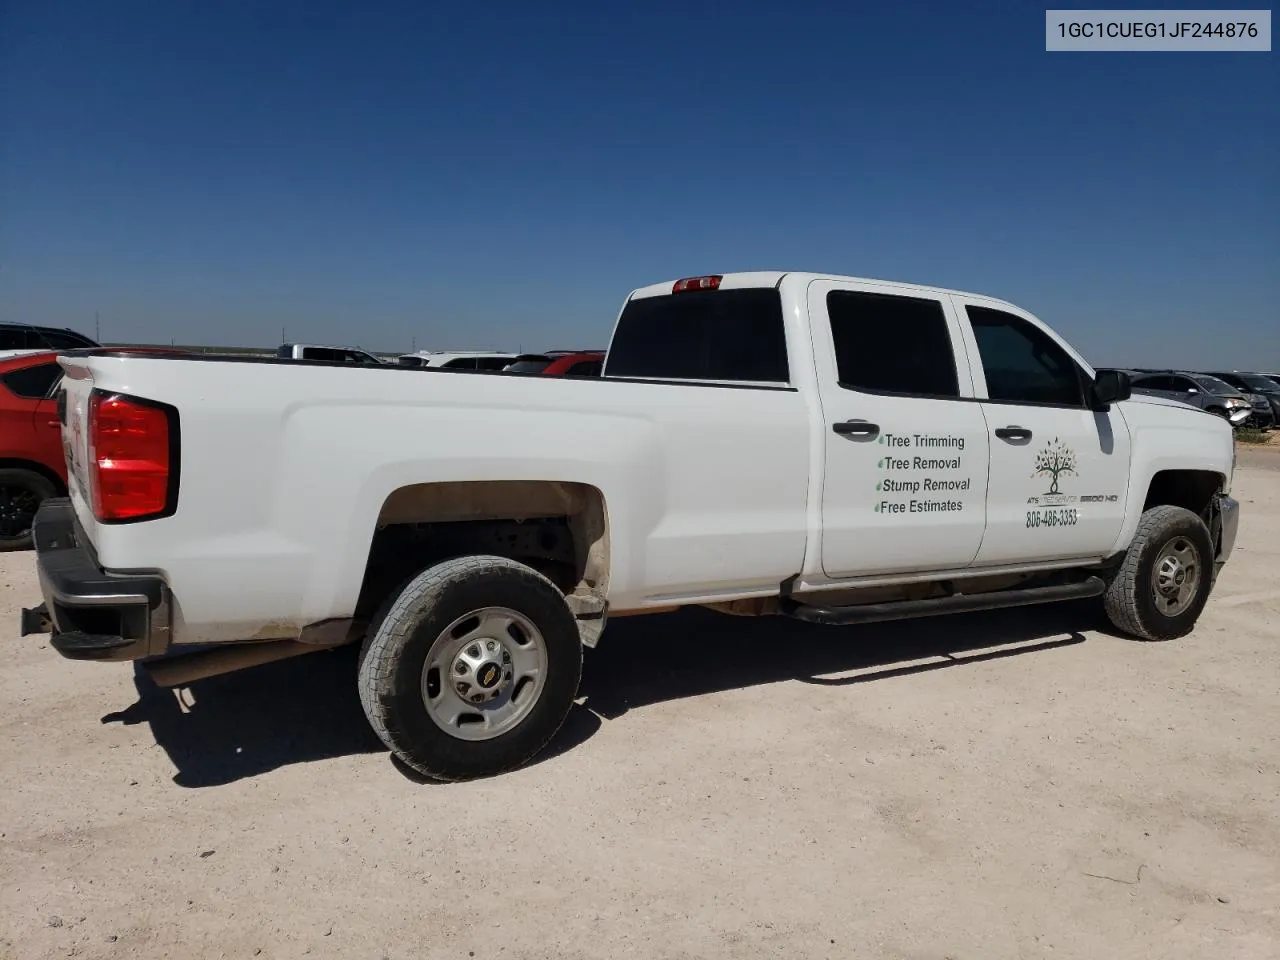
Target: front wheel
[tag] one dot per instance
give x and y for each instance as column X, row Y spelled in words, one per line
column 1164, row 581
column 472, row 669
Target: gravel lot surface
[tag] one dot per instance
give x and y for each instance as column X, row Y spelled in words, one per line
column 1019, row 784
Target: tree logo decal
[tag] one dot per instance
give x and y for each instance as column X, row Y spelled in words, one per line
column 1053, row 461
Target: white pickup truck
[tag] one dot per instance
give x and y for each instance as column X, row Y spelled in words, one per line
column 832, row 449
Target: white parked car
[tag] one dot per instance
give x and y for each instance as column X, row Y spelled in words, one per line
column 458, row 359
column 822, row 447
column 324, row 354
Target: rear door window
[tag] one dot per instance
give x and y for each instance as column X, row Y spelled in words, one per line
column 891, row 344
column 716, row 335
column 324, row 354
column 529, row 365
column 586, row 368
column 13, row 338
column 33, row 383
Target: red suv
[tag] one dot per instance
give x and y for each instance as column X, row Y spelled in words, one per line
column 31, row 460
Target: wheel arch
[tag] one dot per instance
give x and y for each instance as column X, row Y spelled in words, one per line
column 1191, row 489
column 559, row 528
column 17, row 463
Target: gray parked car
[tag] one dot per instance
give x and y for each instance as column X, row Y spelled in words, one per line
column 1198, row 389
column 1262, row 391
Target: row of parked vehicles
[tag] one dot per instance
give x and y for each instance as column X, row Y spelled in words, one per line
column 1242, row 399
column 550, row 363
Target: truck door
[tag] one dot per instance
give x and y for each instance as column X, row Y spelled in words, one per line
column 1059, row 470
column 906, row 452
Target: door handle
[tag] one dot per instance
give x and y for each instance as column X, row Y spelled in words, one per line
column 857, row 428
column 1013, row 433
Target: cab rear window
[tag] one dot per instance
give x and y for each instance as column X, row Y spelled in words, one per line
column 717, row 335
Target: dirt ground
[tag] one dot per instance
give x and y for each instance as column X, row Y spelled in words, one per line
column 1020, row 784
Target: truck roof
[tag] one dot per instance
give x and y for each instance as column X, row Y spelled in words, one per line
column 771, row 278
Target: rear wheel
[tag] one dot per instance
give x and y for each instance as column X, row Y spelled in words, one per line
column 472, row 669
column 21, row 493
column 1164, row 581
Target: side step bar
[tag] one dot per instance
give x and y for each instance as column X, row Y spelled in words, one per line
column 956, row 603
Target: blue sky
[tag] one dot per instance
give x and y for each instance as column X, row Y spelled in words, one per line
column 503, row 174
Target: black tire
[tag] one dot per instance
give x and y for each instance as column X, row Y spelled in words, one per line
column 395, row 654
column 1131, row 596
column 21, row 493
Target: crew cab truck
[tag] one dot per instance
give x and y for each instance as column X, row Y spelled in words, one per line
column 827, row 448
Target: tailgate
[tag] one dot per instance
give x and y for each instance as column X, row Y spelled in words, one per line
column 73, row 412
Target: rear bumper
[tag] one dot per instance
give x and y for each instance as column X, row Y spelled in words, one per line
column 92, row 614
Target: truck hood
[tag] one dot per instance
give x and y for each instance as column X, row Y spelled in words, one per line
column 1162, row 402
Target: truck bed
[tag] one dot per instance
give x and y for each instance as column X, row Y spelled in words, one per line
column 285, row 467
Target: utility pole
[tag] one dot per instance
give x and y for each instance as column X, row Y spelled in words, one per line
column 283, row 338
column 97, row 328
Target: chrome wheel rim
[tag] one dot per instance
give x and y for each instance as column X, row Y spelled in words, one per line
column 484, row 673
column 1176, row 576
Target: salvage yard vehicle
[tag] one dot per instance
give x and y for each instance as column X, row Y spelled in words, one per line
column 837, row 450
column 1262, row 392
column 1197, row 389
column 319, row 352
column 490, row 360
column 560, row 363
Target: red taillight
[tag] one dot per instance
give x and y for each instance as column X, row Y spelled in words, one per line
column 696, row 283
column 129, row 458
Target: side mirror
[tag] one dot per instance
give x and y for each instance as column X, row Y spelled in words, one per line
column 1192, row 390
column 1111, row 386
